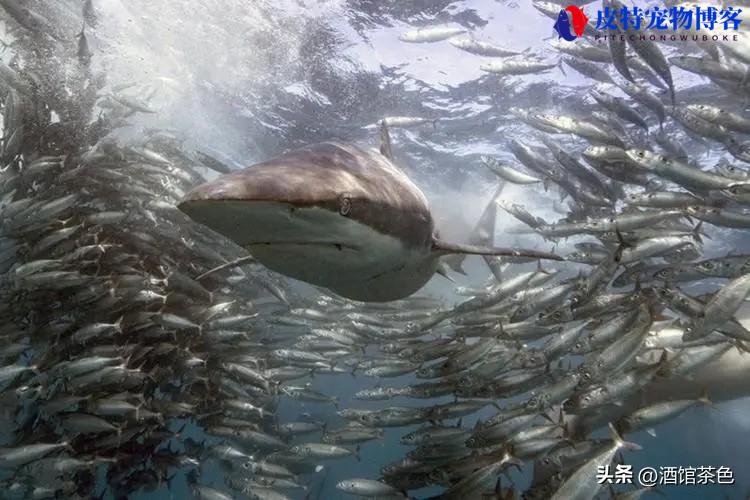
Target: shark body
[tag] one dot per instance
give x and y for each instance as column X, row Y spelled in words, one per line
column 335, row 215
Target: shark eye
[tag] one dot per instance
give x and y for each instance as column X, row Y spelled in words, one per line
column 345, row 205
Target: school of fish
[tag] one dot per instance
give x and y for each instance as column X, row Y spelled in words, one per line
column 124, row 370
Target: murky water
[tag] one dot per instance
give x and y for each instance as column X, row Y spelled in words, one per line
column 136, row 372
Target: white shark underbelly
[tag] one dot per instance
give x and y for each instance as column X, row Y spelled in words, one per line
column 322, row 247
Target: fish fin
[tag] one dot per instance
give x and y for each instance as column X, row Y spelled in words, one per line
column 444, row 248
column 696, row 232
column 704, row 399
column 651, row 432
column 621, row 443
column 460, row 421
column 741, row 347
column 442, row 271
column 548, row 418
column 385, row 141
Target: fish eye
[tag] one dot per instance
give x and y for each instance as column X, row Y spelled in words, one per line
column 641, row 153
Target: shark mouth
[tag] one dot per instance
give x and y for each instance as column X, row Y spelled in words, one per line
column 309, row 244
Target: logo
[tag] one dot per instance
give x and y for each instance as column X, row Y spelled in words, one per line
column 625, row 22
column 700, row 17
column 570, row 23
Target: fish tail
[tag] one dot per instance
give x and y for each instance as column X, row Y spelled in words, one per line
column 621, row 443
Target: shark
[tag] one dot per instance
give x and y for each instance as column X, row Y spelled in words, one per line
column 335, row 215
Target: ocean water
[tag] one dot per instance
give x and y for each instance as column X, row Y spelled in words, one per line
column 248, row 80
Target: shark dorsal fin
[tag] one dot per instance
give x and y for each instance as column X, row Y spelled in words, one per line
column 385, row 141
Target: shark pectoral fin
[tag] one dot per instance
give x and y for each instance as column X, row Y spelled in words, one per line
column 442, row 270
column 444, row 248
column 455, row 264
column 385, row 141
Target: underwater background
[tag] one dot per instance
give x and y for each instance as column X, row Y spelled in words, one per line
column 244, row 81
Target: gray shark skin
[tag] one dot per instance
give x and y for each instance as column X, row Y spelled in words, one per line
column 334, row 215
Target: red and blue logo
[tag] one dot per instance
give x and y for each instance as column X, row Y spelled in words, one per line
column 570, row 23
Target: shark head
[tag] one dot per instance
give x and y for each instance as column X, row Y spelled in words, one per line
column 331, row 214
